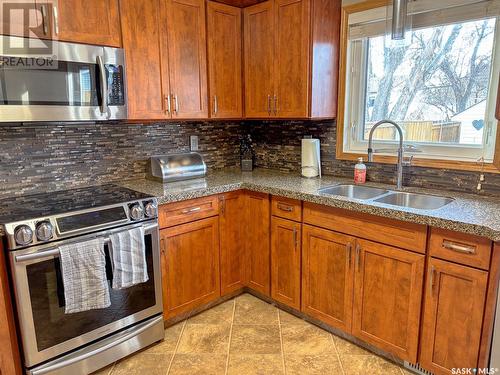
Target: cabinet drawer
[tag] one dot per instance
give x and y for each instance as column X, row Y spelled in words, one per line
column 286, row 208
column 379, row 229
column 183, row 212
column 460, row 248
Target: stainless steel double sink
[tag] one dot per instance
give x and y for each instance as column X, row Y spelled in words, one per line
column 394, row 198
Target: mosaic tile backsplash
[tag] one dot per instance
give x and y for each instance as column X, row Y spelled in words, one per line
column 43, row 157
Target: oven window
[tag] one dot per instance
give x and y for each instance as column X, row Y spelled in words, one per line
column 71, row 84
column 53, row 326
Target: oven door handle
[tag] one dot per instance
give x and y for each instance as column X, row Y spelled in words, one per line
column 94, row 352
column 55, row 251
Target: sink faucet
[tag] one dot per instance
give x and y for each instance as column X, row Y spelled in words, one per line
column 399, row 180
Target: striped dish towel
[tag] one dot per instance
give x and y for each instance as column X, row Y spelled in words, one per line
column 129, row 258
column 83, row 267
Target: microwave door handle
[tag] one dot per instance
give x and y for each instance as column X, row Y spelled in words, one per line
column 104, row 85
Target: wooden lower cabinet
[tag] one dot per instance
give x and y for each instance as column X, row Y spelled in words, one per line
column 232, row 270
column 327, row 277
column 285, row 261
column 388, row 286
column 190, row 265
column 257, row 251
column 453, row 316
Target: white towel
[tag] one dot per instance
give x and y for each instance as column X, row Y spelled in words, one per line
column 129, row 258
column 83, row 267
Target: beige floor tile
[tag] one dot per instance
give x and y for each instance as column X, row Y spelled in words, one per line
column 220, row 314
column 287, row 319
column 143, row 363
column 347, row 347
column 368, row 364
column 255, row 364
column 198, row 364
column 169, row 342
column 306, row 340
column 255, row 339
column 312, row 365
column 204, row 338
column 251, row 310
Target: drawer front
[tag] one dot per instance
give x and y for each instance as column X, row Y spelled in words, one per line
column 184, row 212
column 460, row 248
column 379, row 229
column 286, row 208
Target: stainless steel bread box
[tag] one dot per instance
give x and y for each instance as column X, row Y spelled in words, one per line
column 177, row 167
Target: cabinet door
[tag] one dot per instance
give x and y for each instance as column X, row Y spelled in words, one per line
column 90, row 21
column 187, row 58
column 231, row 207
column 285, row 261
column 387, row 298
column 224, row 60
column 191, row 265
column 327, row 276
column 257, row 232
column 259, row 59
column 453, row 316
column 21, row 18
column 292, row 22
column 145, row 56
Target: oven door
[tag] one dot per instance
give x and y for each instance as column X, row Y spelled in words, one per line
column 46, row 330
column 76, row 82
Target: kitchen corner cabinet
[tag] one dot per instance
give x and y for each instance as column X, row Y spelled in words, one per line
column 285, row 261
column 232, row 255
column 190, row 265
column 257, row 245
column 224, row 60
column 453, row 316
column 165, row 52
column 291, row 58
column 388, row 285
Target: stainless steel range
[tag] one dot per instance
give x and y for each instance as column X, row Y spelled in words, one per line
column 35, row 226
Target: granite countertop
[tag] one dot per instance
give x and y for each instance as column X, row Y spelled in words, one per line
column 467, row 213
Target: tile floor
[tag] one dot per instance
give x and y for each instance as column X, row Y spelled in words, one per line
column 248, row 336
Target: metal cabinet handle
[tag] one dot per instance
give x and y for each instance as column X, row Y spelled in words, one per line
column 460, row 248
column 162, row 246
column 358, row 257
column 43, row 9
column 285, row 207
column 176, row 104
column 216, row 105
column 431, row 279
column 167, row 100
column 349, row 253
column 269, row 105
column 55, row 13
column 295, row 238
column 275, row 105
column 222, row 205
column 191, row 210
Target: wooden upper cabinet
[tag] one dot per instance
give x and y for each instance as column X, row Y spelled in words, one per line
column 387, row 298
column 292, row 22
column 190, row 264
column 187, row 58
column 453, row 316
column 145, row 53
column 21, row 18
column 285, row 261
column 224, row 60
column 232, row 254
column 257, row 234
column 259, row 59
column 327, row 260
column 291, row 58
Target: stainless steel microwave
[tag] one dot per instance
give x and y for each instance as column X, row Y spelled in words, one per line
column 58, row 81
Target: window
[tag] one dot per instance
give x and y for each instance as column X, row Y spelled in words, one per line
column 439, row 84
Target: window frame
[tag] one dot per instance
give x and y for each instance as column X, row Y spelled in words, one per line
column 441, row 161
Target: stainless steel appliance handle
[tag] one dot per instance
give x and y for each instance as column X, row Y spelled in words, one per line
column 55, row 250
column 104, row 85
column 98, row 350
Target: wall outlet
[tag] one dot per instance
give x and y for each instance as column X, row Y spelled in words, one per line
column 193, row 140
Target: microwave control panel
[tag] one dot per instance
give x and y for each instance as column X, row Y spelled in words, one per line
column 116, row 88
